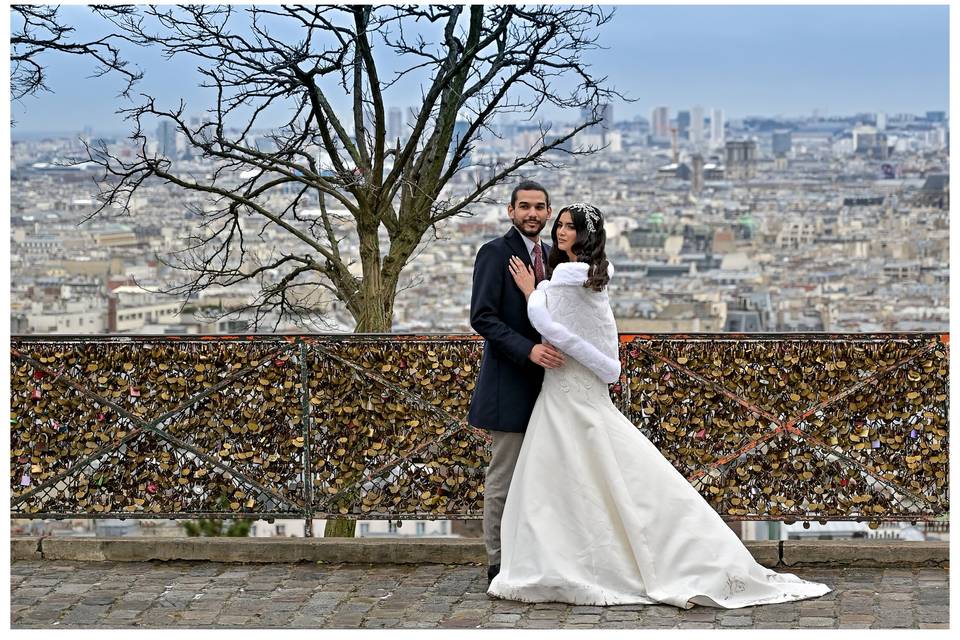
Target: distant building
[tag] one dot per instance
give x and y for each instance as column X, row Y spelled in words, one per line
column 395, row 127
column 167, row 139
column 460, row 128
column 881, row 119
column 751, row 312
column 864, row 137
column 660, row 122
column 693, row 316
column 696, row 125
column 716, row 128
column 935, row 191
column 936, row 116
column 683, row 123
column 782, row 143
column 605, row 115
column 741, row 161
column 696, row 173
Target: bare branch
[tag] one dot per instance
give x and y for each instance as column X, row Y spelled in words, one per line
column 331, row 191
column 38, row 30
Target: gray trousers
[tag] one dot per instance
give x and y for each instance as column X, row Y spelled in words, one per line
column 503, row 458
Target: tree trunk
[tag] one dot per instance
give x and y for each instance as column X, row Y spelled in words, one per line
column 376, row 316
column 340, row 528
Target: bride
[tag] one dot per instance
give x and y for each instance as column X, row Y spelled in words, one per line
column 595, row 514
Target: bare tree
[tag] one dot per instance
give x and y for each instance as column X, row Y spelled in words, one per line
column 37, row 30
column 358, row 180
column 487, row 60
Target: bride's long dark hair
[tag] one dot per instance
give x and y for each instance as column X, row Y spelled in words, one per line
column 589, row 247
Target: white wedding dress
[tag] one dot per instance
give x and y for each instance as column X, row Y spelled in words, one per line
column 595, row 514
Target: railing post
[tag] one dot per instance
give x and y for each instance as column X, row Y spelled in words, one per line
column 306, row 458
column 625, row 384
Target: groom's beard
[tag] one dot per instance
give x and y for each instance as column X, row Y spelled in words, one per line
column 529, row 231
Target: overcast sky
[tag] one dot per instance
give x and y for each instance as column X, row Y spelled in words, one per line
column 748, row 60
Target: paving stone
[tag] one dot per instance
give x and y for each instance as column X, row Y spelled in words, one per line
column 807, row 622
column 620, row 616
column 736, row 621
column 51, row 594
column 585, row 618
column 540, row 624
column 505, row 617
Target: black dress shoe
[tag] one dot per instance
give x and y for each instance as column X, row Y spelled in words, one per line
column 492, row 572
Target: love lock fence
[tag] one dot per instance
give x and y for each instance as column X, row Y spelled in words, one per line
column 766, row 426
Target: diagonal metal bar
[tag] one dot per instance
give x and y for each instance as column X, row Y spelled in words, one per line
column 714, row 385
column 194, row 399
column 459, row 424
column 144, row 425
column 382, row 470
column 873, row 378
column 820, row 447
column 136, row 431
column 790, row 425
column 439, row 411
column 783, row 425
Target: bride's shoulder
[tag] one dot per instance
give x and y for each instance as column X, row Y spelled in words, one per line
column 573, row 273
column 569, row 273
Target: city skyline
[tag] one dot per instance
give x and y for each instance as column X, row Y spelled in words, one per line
column 782, row 61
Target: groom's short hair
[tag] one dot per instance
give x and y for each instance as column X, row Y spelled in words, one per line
column 528, row 185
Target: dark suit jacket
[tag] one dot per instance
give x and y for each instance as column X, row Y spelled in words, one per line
column 508, row 383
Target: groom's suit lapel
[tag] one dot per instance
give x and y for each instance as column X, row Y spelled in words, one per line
column 518, row 245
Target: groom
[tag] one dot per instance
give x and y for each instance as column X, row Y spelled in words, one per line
column 513, row 358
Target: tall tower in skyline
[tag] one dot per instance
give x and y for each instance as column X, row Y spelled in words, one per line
column 716, row 127
column 605, row 112
column 696, row 125
column 167, row 138
column 660, row 122
column 683, row 123
column 394, row 125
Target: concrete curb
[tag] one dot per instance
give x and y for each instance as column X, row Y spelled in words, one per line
column 798, row 553
column 772, row 553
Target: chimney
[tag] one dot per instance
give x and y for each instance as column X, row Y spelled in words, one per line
column 111, row 313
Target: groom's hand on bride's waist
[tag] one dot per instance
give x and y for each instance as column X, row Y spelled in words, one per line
column 546, row 355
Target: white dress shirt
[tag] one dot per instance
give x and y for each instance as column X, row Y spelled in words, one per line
column 530, row 245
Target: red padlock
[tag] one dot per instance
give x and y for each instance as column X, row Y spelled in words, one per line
column 135, row 392
column 36, row 393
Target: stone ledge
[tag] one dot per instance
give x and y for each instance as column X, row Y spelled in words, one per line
column 25, row 549
column 864, row 553
column 772, row 553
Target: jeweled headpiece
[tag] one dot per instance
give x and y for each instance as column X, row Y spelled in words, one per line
column 590, row 212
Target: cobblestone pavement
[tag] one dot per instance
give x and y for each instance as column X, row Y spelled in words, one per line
column 55, row 594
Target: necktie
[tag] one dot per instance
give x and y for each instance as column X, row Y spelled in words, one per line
column 538, row 262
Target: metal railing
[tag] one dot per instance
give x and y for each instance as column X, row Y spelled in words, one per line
column 766, row 426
